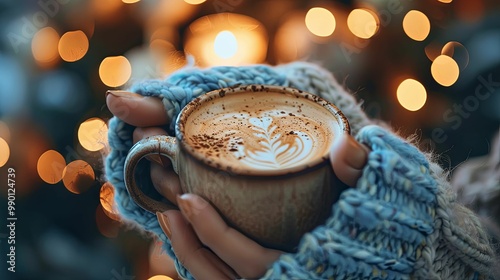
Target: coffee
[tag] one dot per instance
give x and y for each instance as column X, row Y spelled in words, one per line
column 261, row 130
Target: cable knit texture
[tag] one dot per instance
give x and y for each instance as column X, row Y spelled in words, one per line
column 400, row 222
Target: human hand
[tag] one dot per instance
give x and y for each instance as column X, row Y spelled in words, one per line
column 201, row 240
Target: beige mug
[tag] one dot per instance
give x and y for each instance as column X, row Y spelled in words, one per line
column 259, row 154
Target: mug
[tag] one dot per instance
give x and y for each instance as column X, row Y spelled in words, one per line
column 273, row 205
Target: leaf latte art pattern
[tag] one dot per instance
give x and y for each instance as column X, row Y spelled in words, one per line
column 275, row 150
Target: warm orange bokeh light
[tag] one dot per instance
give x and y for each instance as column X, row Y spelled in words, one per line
column 50, row 167
column 194, row 2
column 78, row 176
column 320, row 22
column 160, row 277
column 93, row 134
column 363, row 23
column 445, row 70
column 445, row 1
column 416, row 25
column 130, row 1
column 115, row 71
column 73, row 45
column 107, row 198
column 411, row 95
column 226, row 39
column 4, row 152
column 44, row 45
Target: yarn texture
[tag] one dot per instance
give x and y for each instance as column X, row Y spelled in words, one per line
column 401, row 221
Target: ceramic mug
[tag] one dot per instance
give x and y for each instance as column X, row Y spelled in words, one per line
column 274, row 193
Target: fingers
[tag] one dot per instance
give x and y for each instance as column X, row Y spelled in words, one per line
column 348, row 157
column 245, row 256
column 143, row 132
column 200, row 262
column 166, row 182
column 163, row 177
column 135, row 109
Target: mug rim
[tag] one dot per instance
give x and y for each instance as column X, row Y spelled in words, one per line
column 253, row 88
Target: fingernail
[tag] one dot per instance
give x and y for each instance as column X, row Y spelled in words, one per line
column 191, row 205
column 164, row 223
column 123, row 94
column 185, row 207
column 357, row 153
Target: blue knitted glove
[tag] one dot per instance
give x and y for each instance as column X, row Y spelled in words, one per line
column 396, row 224
column 399, row 222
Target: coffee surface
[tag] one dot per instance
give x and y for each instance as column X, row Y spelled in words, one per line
column 261, row 131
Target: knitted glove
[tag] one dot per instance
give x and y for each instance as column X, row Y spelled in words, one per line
column 399, row 221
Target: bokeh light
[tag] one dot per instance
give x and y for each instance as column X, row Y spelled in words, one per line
column 4, row 152
column 411, row 95
column 50, row 167
column 78, row 176
column 363, row 23
column 225, row 44
column 320, row 22
column 160, row 277
column 194, row 2
column 44, row 45
column 115, row 71
column 248, row 35
column 107, row 198
column 130, row 1
column 458, row 52
column 93, row 134
column 445, row 1
column 416, row 25
column 73, row 45
column 445, row 70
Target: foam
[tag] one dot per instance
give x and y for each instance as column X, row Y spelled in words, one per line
column 261, row 131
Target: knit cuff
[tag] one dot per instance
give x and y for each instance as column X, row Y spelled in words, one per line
column 390, row 226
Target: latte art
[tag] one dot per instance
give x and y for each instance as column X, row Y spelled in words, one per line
column 261, row 131
column 277, row 151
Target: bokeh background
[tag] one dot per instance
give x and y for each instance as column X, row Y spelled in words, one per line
column 427, row 67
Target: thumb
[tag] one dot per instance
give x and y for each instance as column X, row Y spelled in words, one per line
column 348, row 157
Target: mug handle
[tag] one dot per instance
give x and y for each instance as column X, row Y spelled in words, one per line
column 162, row 145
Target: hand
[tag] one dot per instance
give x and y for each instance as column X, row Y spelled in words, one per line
column 201, row 240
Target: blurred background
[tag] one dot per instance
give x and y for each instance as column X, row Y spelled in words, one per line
column 427, row 67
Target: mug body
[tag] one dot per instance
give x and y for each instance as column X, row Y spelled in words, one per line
column 275, row 211
column 274, row 207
